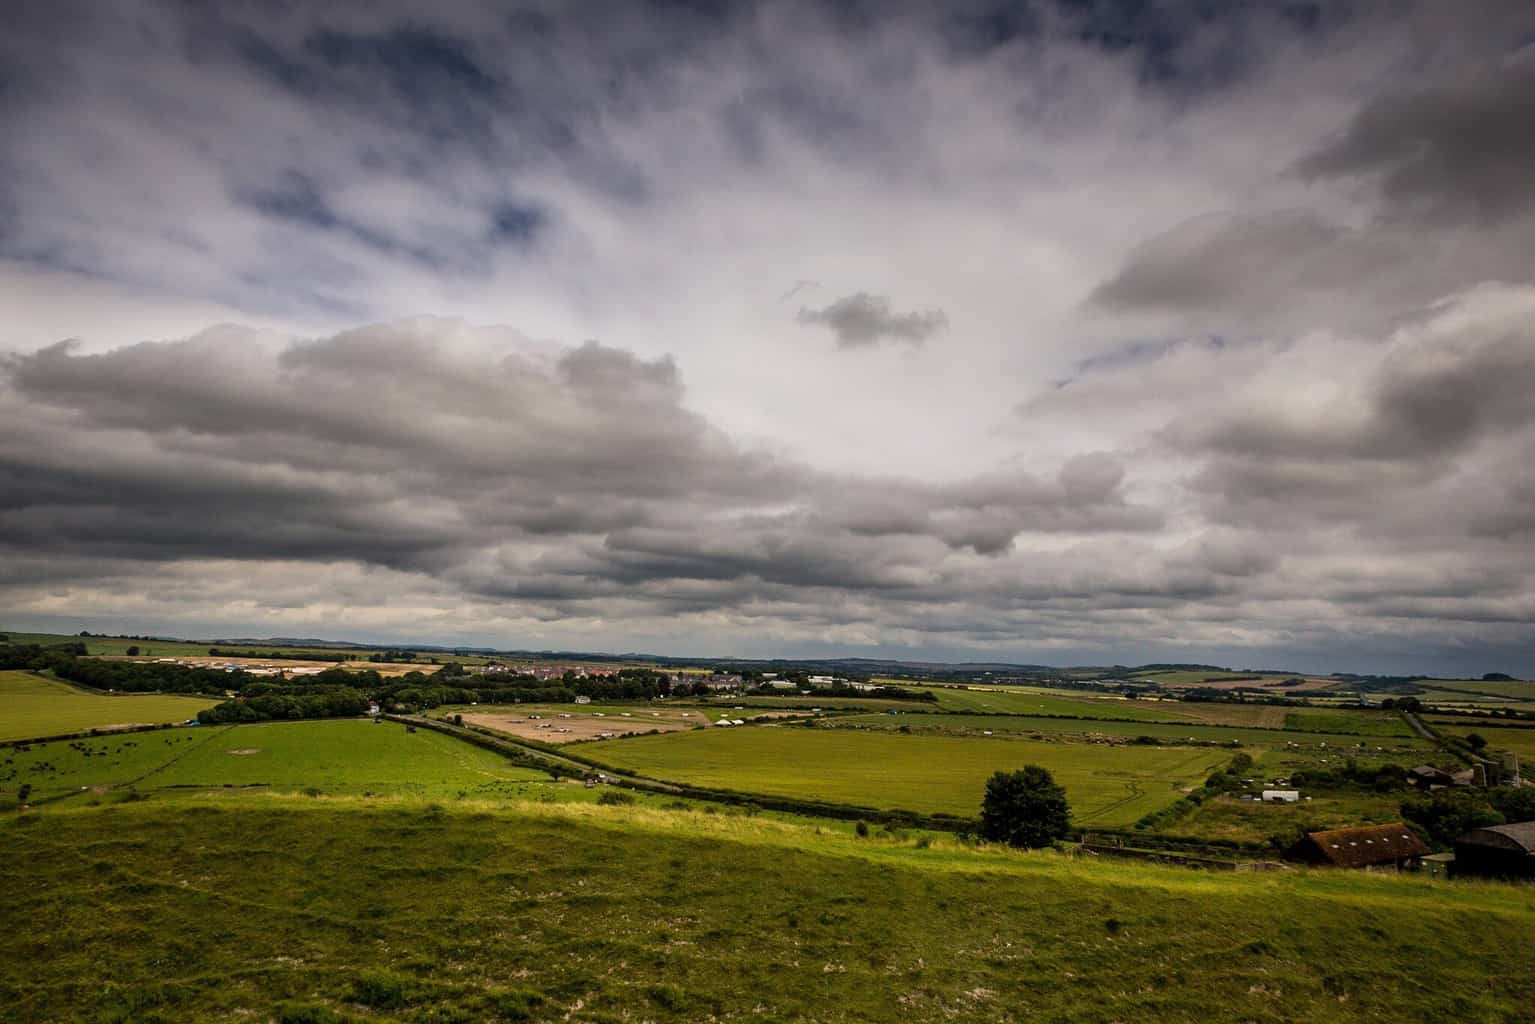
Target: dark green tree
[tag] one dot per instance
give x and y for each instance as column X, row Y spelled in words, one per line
column 1448, row 814
column 1476, row 741
column 1024, row 808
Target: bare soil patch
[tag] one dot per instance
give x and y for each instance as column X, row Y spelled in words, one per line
column 574, row 726
column 245, row 751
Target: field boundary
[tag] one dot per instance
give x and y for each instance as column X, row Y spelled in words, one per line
column 95, row 733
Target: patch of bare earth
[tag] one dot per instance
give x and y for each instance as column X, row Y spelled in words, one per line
column 558, row 729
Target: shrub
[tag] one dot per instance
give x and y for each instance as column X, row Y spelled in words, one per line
column 861, row 829
column 615, row 797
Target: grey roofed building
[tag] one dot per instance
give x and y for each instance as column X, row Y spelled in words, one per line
column 1498, row 851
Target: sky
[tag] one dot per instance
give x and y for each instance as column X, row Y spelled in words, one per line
column 1062, row 332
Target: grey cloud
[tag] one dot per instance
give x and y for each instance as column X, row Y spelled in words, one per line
column 1426, row 440
column 430, row 446
column 1286, row 266
column 861, row 320
column 1460, row 149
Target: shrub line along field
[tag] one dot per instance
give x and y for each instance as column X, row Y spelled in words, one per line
column 32, row 706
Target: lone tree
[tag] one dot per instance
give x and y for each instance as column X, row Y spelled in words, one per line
column 1024, row 808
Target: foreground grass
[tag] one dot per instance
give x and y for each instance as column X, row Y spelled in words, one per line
column 32, row 706
column 925, row 773
column 266, row 908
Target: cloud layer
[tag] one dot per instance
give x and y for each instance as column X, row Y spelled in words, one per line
column 1124, row 332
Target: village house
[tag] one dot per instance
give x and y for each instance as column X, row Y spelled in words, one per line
column 1372, row 847
column 1281, row 796
column 1499, row 851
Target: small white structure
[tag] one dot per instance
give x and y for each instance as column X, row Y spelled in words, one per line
column 1281, row 796
column 583, row 700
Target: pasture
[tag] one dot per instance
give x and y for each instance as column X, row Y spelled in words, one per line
column 31, row 706
column 929, row 774
column 1253, row 822
column 334, row 756
column 1235, row 680
column 1496, row 690
column 1519, row 740
column 293, row 909
column 1358, row 721
column 1125, row 730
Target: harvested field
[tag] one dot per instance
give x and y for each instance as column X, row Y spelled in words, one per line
column 285, row 666
column 571, row 726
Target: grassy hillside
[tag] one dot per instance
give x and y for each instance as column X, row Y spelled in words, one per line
column 289, row 909
column 929, row 774
column 33, row 706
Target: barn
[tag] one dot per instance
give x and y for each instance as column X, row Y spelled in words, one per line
column 1373, row 847
column 1500, row 851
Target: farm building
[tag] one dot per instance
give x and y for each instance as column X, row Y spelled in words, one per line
column 1501, row 851
column 1378, row 847
column 1281, row 796
column 1426, row 776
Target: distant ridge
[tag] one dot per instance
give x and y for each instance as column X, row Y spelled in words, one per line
column 894, row 667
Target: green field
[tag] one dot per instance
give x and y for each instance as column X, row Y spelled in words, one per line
column 1472, row 688
column 33, row 706
column 1347, row 720
column 929, row 774
column 1520, row 741
column 1031, row 701
column 290, row 910
column 1166, row 733
column 347, row 756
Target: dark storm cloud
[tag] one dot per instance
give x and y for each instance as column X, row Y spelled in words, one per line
column 1460, row 150
column 860, row 320
column 433, row 447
